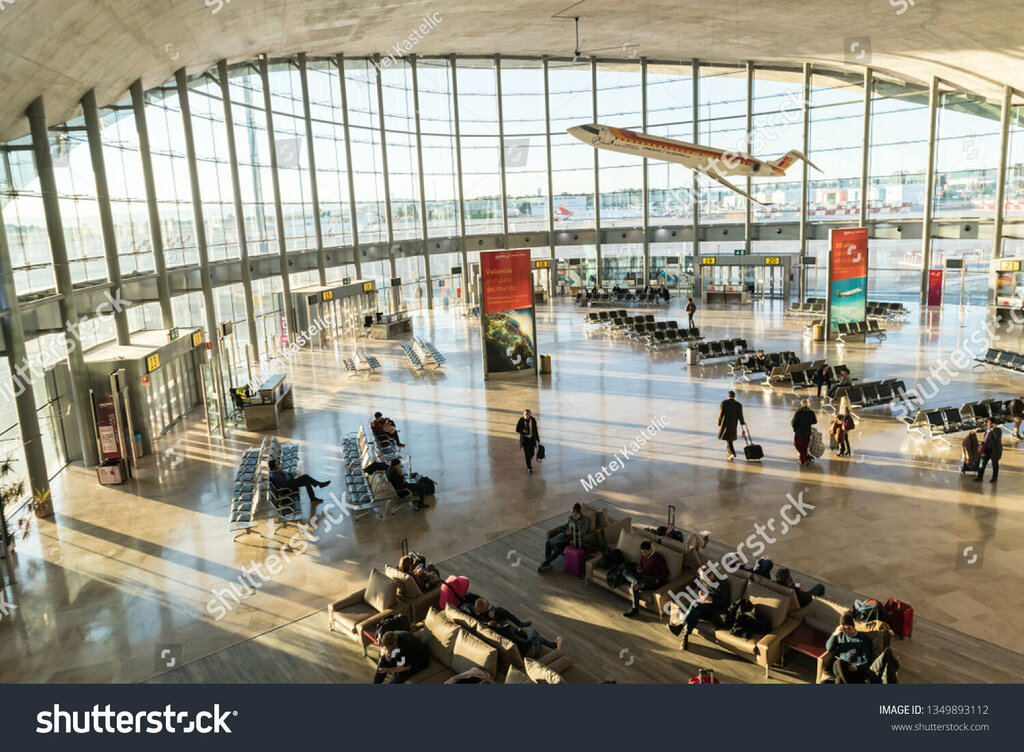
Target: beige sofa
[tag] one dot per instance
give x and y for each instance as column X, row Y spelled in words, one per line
column 682, row 566
column 458, row 642
column 360, row 611
column 819, row 620
column 604, row 531
column 412, row 601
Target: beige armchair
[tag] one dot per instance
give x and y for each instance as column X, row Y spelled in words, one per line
column 412, row 601
column 359, row 611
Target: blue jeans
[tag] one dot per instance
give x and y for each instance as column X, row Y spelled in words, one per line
column 554, row 547
column 634, row 579
column 984, row 461
column 695, row 613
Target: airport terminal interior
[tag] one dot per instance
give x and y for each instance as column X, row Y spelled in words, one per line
column 245, row 239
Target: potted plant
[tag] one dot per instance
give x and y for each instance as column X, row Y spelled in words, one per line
column 12, row 491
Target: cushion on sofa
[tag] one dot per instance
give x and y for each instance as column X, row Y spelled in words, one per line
column 673, row 559
column 541, row 673
column 737, row 586
column 407, row 587
column 773, row 607
column 439, row 636
column 471, row 651
column 456, row 616
column 515, row 676
column 758, row 588
column 591, row 514
column 381, row 591
column 508, row 651
column 560, row 665
column 629, row 544
column 602, row 519
column 741, row 644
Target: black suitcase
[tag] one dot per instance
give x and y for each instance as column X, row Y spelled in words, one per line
column 753, row 452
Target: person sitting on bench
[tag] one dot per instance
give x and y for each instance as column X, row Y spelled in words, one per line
column 385, row 427
column 844, row 380
column 853, row 664
column 281, row 479
column 396, row 476
column 401, row 655
column 649, row 573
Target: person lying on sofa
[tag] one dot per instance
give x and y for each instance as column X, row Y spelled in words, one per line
column 528, row 643
column 481, row 609
column 650, row 573
column 853, row 664
column 713, row 598
column 401, row 656
column 575, row 528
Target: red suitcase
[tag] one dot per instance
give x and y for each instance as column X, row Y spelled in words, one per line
column 575, row 558
column 900, row 616
column 705, row 676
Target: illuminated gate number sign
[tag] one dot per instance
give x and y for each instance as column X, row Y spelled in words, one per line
column 772, row 260
column 152, row 362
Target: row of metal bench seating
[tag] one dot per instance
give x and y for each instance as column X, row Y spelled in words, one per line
column 799, row 375
column 245, row 495
column 368, row 493
column 360, row 362
column 743, row 367
column 869, row 328
column 670, row 334
column 805, row 309
column 284, row 501
column 1003, row 359
column 602, row 298
column 875, row 309
column 606, row 317
column 420, row 353
column 934, row 423
column 872, row 393
column 720, row 349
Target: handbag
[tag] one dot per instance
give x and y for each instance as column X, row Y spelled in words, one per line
column 540, row 453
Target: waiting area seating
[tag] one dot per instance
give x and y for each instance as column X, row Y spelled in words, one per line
column 869, row 328
column 1003, row 359
column 630, row 297
column 745, row 366
column 369, row 493
column 811, row 308
column 425, row 353
column 722, row 348
column 872, row 394
column 360, row 362
column 245, row 494
column 667, row 333
column 935, row 423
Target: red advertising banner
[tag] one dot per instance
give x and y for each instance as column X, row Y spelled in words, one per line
column 847, row 277
column 849, row 253
column 935, row 280
column 505, row 280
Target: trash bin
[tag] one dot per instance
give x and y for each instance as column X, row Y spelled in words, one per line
column 818, row 332
column 692, row 356
column 545, row 364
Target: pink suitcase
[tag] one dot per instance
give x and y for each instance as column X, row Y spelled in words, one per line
column 575, row 560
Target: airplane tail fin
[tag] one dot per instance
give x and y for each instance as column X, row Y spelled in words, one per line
column 792, row 156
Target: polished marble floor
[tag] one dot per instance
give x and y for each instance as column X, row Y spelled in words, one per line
column 122, row 575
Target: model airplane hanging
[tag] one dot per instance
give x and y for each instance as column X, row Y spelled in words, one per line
column 715, row 163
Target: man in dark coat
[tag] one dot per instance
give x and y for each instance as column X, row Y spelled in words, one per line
column 529, row 438
column 991, row 450
column 803, row 422
column 730, row 416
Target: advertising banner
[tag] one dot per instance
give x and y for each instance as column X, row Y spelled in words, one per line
column 935, row 279
column 106, row 424
column 507, row 315
column 847, row 301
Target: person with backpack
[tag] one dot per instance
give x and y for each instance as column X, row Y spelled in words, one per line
column 803, row 423
column 840, row 429
column 691, row 309
column 574, row 529
column 730, row 417
column 1016, row 412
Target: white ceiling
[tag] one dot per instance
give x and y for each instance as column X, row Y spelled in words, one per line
column 61, row 48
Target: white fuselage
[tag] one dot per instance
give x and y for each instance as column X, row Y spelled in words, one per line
column 694, row 156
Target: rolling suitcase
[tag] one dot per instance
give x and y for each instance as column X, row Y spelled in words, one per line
column 575, row 558
column 705, row 676
column 900, row 616
column 753, row 452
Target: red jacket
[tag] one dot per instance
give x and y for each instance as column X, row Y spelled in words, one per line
column 654, row 566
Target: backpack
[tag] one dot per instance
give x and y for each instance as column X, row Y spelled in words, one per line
column 763, row 567
column 615, row 578
column 428, row 485
column 869, row 610
column 611, row 558
column 674, row 534
column 393, row 623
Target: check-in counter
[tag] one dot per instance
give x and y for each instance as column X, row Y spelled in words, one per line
column 390, row 325
column 263, row 411
column 733, row 294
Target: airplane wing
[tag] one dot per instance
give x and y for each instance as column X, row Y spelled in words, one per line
column 732, row 187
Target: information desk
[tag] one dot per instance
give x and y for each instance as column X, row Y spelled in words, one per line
column 390, row 326
column 263, row 411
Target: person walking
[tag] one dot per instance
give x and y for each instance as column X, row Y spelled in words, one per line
column 691, row 308
column 730, row 416
column 528, row 437
column 803, row 423
column 991, row 450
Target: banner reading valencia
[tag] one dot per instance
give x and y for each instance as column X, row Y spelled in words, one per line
column 506, row 313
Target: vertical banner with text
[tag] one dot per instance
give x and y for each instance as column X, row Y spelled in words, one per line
column 507, row 312
column 936, row 277
column 847, row 299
